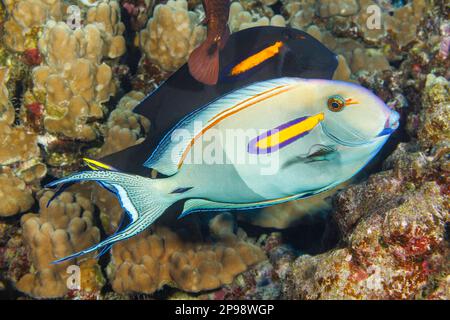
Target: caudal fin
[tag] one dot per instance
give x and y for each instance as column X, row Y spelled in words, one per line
column 139, row 196
column 204, row 62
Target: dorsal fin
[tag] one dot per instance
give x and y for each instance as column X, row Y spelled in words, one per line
column 167, row 160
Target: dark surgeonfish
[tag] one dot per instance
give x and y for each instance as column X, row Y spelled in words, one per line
column 250, row 56
column 300, row 134
column 204, row 61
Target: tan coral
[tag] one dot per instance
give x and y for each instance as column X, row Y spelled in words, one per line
column 15, row 195
column 171, row 35
column 32, row 172
column 330, row 8
column 150, row 260
column 64, row 227
column 358, row 57
column 124, row 128
column 301, row 12
column 73, row 80
column 405, row 21
column 6, row 107
column 343, row 71
column 435, row 117
column 25, row 19
column 392, row 253
column 241, row 19
column 17, row 144
column 107, row 13
column 362, row 19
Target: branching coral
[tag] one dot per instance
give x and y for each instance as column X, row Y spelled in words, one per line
column 107, row 14
column 356, row 55
column 329, row 8
column 15, row 195
column 18, row 147
column 74, row 82
column 404, row 22
column 371, row 30
column 124, row 128
column 394, row 224
column 25, row 20
column 241, row 19
column 148, row 261
column 435, row 118
column 64, row 227
column 171, row 35
column 290, row 213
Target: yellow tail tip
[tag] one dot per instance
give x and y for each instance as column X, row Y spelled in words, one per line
column 96, row 165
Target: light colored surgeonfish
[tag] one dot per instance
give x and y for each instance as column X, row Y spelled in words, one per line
column 270, row 142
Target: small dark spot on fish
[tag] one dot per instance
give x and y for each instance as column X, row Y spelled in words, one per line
column 181, row 190
column 321, row 153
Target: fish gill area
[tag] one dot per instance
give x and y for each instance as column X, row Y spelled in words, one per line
column 71, row 73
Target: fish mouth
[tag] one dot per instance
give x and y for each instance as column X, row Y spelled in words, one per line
column 355, row 143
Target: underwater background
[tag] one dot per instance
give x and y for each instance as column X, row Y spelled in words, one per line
column 71, row 73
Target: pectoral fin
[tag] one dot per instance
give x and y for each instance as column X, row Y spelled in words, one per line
column 316, row 153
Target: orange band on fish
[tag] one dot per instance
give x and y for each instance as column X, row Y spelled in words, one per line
column 284, row 135
column 256, row 59
column 350, row 102
column 239, row 107
column 243, row 102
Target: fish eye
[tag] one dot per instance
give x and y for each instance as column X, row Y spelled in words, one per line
column 336, row 103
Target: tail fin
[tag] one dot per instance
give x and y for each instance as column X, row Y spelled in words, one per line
column 204, row 62
column 139, row 196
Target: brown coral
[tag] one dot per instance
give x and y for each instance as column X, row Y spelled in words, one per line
column 435, row 118
column 15, row 195
column 64, row 227
column 171, row 35
column 25, row 19
column 6, row 108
